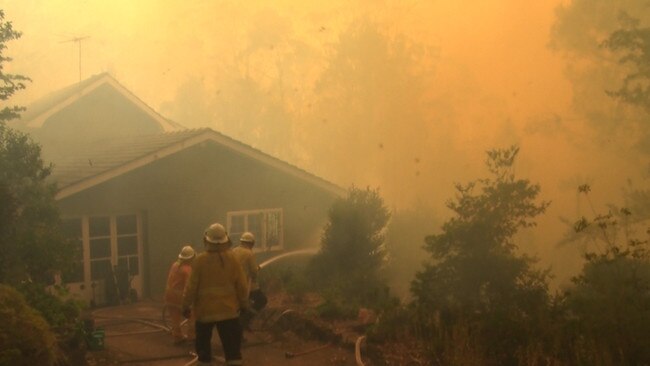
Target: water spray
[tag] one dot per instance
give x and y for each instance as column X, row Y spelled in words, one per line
column 309, row 251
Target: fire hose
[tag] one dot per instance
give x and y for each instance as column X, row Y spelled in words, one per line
column 311, row 350
column 195, row 360
column 357, row 350
column 138, row 320
column 359, row 342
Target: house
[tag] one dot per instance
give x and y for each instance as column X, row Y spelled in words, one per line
column 134, row 188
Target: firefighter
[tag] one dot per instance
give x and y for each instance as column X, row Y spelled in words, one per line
column 179, row 273
column 217, row 294
column 246, row 257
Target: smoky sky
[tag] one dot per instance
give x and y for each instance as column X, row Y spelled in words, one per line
column 402, row 95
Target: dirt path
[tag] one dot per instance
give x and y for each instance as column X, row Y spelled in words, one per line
column 134, row 336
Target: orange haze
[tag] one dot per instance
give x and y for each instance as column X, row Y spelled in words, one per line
column 490, row 81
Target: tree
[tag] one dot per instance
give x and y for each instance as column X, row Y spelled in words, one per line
column 475, row 277
column 31, row 243
column 10, row 83
column 373, row 109
column 593, row 34
column 32, row 246
column 634, row 43
column 352, row 252
column 608, row 306
column 255, row 97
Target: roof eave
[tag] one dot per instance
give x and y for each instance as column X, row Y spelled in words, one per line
column 208, row 135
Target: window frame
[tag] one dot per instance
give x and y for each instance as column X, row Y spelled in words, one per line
column 113, row 236
column 261, row 242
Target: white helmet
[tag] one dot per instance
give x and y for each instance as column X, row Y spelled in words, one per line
column 247, row 237
column 216, row 234
column 186, row 253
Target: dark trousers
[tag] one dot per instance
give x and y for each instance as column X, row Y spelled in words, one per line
column 230, row 333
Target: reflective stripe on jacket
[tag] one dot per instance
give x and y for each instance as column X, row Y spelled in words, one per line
column 246, row 258
column 179, row 273
column 217, row 287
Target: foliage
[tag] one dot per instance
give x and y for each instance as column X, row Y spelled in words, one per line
column 595, row 36
column 257, row 89
column 62, row 314
column 634, row 43
column 31, row 245
column 336, row 305
column 289, row 277
column 638, row 201
column 374, row 80
column 9, row 83
column 352, row 254
column 475, row 279
column 609, row 302
column 25, row 337
column 396, row 322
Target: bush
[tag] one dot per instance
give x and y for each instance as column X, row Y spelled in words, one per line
column 333, row 307
column 349, row 267
column 393, row 324
column 25, row 336
column 62, row 315
column 476, row 279
column 607, row 309
column 289, row 277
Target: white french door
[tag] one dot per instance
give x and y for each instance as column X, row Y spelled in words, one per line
column 112, row 257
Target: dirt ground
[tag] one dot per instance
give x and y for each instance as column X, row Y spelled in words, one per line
column 135, row 335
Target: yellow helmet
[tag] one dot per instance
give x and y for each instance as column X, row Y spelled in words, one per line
column 247, row 237
column 216, row 234
column 186, row 253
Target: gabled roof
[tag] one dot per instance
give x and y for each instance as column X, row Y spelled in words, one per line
column 38, row 112
column 101, row 162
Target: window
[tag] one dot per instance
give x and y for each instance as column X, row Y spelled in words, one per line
column 107, row 241
column 127, row 243
column 265, row 224
column 99, row 232
column 109, row 248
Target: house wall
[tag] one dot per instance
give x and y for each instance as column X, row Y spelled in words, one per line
column 180, row 195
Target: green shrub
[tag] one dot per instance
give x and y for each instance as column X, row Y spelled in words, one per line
column 607, row 309
column 59, row 313
column 393, row 324
column 352, row 258
column 25, row 336
column 289, row 277
column 488, row 295
column 334, row 306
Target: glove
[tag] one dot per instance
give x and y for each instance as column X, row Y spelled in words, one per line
column 187, row 313
column 258, row 300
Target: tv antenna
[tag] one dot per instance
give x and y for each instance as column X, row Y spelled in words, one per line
column 78, row 40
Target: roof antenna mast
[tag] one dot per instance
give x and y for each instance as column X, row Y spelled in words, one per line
column 78, row 40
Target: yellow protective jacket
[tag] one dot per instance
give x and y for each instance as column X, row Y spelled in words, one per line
column 217, row 287
column 246, row 258
column 177, row 278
